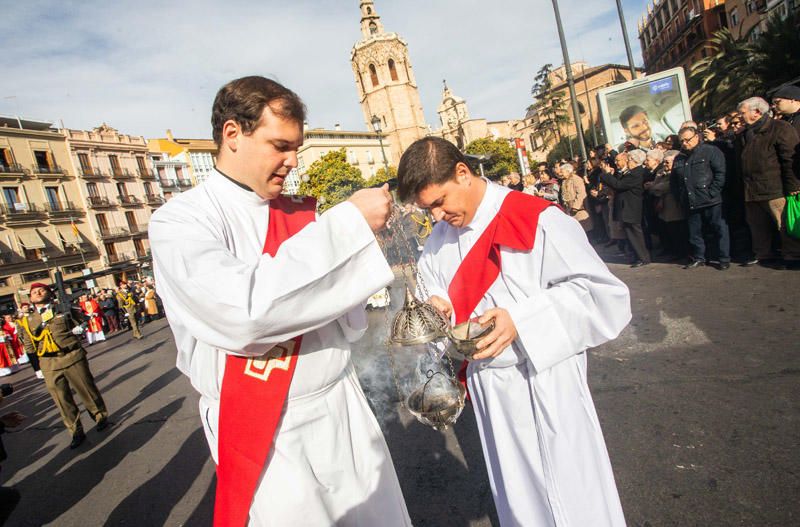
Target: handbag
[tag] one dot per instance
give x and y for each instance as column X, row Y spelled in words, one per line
column 793, row 216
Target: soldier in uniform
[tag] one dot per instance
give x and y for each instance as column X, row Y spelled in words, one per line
column 127, row 304
column 54, row 338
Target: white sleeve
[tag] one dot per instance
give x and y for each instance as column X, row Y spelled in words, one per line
column 581, row 304
column 317, row 276
column 427, row 276
column 354, row 323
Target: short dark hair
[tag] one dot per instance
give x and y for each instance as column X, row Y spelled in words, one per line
column 628, row 113
column 428, row 161
column 243, row 100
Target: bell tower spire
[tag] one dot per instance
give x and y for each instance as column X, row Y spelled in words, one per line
column 370, row 20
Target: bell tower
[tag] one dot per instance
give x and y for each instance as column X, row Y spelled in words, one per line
column 385, row 83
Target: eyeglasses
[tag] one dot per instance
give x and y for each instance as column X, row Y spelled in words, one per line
column 688, row 139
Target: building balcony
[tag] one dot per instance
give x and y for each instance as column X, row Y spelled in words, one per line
column 62, row 211
column 13, row 171
column 21, row 213
column 100, row 202
column 184, row 183
column 113, row 232
column 129, row 201
column 154, row 200
column 49, row 172
column 168, row 183
column 122, row 173
column 137, row 230
column 92, row 173
column 115, row 259
column 144, row 255
column 146, row 174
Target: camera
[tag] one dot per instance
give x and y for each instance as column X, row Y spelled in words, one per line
column 6, row 389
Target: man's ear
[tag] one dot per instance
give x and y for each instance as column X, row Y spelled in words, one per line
column 231, row 131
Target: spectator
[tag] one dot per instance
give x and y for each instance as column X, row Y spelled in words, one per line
column 786, row 101
column 573, row 192
column 548, row 187
column 514, row 182
column 651, row 224
column 669, row 210
column 150, row 306
column 110, row 311
column 628, row 188
column 698, row 175
column 530, row 184
column 768, row 148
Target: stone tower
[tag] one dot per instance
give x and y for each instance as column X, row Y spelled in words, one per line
column 453, row 114
column 386, row 84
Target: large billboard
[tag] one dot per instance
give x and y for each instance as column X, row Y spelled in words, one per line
column 645, row 111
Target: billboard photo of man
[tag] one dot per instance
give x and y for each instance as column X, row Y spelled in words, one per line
column 645, row 111
column 637, row 128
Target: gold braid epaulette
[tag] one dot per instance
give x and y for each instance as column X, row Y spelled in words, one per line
column 128, row 301
column 46, row 338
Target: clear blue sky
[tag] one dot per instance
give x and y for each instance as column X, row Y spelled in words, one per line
column 144, row 66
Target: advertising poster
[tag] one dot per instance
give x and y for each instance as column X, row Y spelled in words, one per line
column 646, row 110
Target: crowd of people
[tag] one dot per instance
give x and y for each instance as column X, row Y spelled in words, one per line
column 713, row 193
column 100, row 313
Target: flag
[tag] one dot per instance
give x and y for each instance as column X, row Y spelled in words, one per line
column 74, row 228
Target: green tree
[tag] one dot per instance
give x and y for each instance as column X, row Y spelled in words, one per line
column 736, row 70
column 381, row 177
column 724, row 77
column 549, row 105
column 332, row 179
column 503, row 157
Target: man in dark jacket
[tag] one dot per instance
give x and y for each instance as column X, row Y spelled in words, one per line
column 769, row 150
column 697, row 179
column 786, row 101
column 628, row 185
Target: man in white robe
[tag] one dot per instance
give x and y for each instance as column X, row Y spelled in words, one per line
column 328, row 464
column 544, row 450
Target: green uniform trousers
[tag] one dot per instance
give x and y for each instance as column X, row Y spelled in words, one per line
column 69, row 372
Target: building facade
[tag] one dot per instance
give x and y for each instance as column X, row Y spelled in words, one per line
column 364, row 150
column 199, row 155
column 121, row 192
column 588, row 81
column 675, row 32
column 44, row 226
column 747, row 19
column 385, row 83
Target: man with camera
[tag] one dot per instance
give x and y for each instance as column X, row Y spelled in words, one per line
column 53, row 336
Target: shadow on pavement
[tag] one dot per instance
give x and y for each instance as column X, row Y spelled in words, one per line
column 153, row 501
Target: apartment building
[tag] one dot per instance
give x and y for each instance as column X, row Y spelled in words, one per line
column 120, row 193
column 43, row 222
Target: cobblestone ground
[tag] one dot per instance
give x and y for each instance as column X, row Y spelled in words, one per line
column 698, row 400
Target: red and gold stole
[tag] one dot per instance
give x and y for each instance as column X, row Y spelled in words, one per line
column 514, row 227
column 254, row 391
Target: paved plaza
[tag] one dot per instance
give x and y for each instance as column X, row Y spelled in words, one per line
column 698, row 400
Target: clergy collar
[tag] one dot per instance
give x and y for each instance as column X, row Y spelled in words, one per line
column 237, row 183
column 226, row 186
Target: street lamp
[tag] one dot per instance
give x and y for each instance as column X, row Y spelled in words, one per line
column 576, row 115
column 376, row 125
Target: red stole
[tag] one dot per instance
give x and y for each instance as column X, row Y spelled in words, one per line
column 254, row 392
column 91, row 307
column 514, row 227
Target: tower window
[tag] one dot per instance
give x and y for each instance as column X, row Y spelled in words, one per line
column 392, row 70
column 373, row 28
column 369, row 10
column 373, row 74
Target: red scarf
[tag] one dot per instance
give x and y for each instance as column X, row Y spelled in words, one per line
column 254, row 392
column 513, row 227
